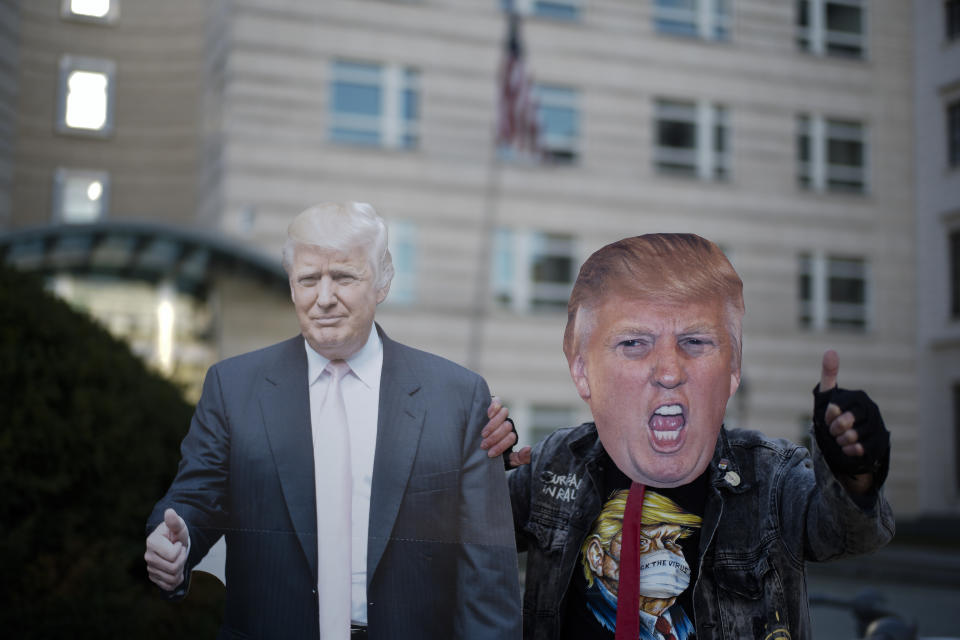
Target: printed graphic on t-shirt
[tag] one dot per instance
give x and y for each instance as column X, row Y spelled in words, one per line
column 664, row 572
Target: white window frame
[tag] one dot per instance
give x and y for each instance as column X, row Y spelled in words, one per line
column 70, row 64
column 703, row 160
column 533, row 420
column 822, row 313
column 392, row 129
column 817, row 173
column 708, row 19
column 62, row 177
column 544, row 419
column 514, row 257
column 69, row 12
column 402, row 240
column 558, row 147
column 816, row 38
column 541, row 8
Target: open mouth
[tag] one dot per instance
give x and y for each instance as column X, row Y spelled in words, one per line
column 667, row 427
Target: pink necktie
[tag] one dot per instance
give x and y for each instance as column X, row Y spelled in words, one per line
column 331, row 444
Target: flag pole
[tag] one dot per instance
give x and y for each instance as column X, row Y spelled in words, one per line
column 488, row 220
column 515, row 125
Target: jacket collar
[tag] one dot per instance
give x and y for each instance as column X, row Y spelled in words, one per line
column 401, row 414
column 725, row 470
column 285, row 410
column 586, row 445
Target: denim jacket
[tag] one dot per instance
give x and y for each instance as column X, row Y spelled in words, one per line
column 770, row 507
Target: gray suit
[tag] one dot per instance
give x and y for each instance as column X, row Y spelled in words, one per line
column 441, row 557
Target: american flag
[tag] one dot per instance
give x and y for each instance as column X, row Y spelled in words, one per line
column 517, row 125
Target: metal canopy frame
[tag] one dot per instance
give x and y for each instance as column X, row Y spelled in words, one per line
column 143, row 251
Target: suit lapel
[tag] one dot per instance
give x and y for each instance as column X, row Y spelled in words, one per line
column 399, row 424
column 285, row 407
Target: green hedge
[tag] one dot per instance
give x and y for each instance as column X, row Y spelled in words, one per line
column 89, row 440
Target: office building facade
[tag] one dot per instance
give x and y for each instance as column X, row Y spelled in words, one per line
column 781, row 130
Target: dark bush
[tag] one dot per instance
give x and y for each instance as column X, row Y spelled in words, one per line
column 89, row 440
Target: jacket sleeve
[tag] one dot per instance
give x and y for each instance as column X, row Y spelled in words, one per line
column 834, row 523
column 488, row 590
column 198, row 492
column 519, row 482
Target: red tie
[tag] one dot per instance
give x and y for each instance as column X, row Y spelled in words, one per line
column 663, row 626
column 628, row 593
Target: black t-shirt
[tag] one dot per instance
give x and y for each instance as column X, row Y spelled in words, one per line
column 670, row 526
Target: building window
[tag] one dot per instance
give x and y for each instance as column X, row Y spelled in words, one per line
column 953, row 134
column 532, row 270
column 951, row 18
column 558, row 115
column 831, row 155
column 80, row 196
column 692, row 139
column 831, row 27
column 403, row 249
column 102, row 11
column 707, row 19
column 375, row 105
column 553, row 9
column 833, row 292
column 545, row 419
column 85, row 96
column 954, row 252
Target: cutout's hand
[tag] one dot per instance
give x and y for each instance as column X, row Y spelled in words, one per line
column 166, row 553
column 498, row 434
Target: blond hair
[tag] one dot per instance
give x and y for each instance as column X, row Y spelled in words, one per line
column 657, row 510
column 342, row 226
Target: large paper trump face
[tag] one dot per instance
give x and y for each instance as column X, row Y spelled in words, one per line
column 653, row 345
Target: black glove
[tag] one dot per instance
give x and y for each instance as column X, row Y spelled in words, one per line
column 506, row 454
column 871, row 434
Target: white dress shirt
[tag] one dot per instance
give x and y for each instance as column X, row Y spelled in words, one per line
column 649, row 622
column 361, row 397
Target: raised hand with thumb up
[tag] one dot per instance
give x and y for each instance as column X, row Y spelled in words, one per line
column 166, row 552
column 849, row 431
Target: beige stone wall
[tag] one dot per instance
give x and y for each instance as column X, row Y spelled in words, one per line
column 222, row 116
column 152, row 153
column 250, row 316
column 277, row 159
column 9, row 55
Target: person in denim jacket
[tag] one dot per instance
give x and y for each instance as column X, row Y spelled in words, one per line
column 653, row 342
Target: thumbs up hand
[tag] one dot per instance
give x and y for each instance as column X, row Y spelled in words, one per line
column 166, row 552
column 849, row 431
